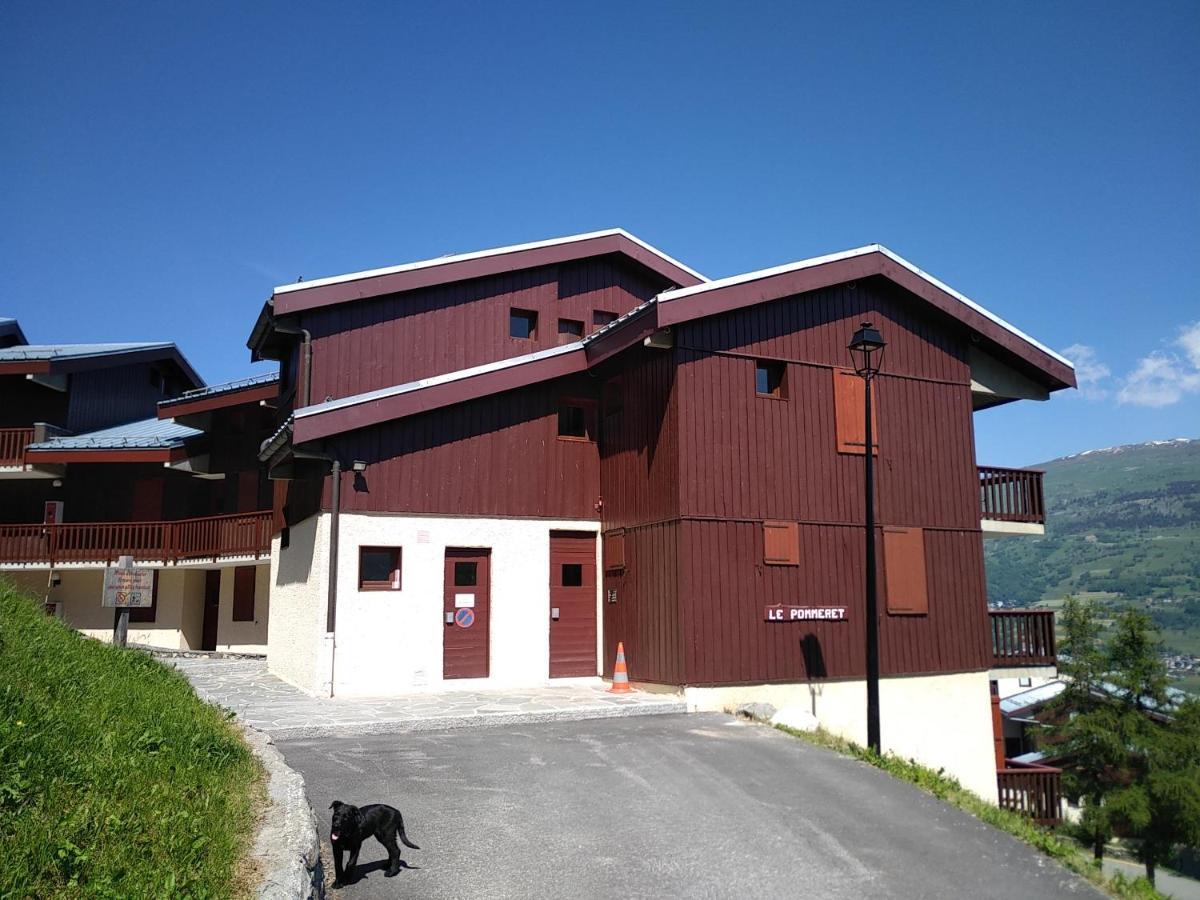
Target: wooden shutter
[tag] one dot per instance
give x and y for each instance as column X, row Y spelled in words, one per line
column 904, row 571
column 614, row 550
column 781, row 543
column 849, row 399
column 243, row 593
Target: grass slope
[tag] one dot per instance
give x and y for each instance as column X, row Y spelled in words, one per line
column 115, row 779
column 1123, row 525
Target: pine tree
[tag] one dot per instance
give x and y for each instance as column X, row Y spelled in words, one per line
column 1159, row 801
column 1087, row 732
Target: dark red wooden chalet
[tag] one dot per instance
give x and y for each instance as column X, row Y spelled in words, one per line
column 712, row 428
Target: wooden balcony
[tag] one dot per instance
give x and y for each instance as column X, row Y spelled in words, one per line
column 102, row 543
column 1022, row 637
column 1011, row 495
column 13, row 442
column 1032, row 790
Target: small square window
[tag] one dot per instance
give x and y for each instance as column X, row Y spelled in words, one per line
column 573, row 422
column 379, row 568
column 602, row 317
column 522, row 323
column 572, row 575
column 466, row 574
column 769, row 380
column 1025, row 682
column 569, row 330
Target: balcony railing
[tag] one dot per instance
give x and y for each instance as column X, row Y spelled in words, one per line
column 13, row 442
column 1035, row 791
column 1022, row 637
column 1012, row 495
column 184, row 540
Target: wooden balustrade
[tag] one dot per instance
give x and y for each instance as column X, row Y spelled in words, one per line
column 1035, row 791
column 13, row 442
column 1022, row 637
column 1012, row 495
column 183, row 540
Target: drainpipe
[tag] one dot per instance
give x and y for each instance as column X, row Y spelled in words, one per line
column 305, row 359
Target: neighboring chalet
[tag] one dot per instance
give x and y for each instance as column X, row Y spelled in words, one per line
column 500, row 464
column 113, row 449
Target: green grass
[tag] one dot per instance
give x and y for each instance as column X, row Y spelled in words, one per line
column 116, row 781
column 1064, row 850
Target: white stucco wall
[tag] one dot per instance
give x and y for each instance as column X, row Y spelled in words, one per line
column 296, row 630
column 244, row 637
column 942, row 721
column 390, row 642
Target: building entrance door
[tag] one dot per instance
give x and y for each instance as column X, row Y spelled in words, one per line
column 212, row 608
column 465, row 613
column 572, row 604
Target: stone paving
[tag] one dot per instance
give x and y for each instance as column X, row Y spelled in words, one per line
column 267, row 703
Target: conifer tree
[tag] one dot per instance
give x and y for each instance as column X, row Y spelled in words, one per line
column 1158, row 801
column 1087, row 730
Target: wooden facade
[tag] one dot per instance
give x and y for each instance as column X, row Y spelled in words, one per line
column 723, row 454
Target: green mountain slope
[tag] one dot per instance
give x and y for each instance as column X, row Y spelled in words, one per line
column 1123, row 525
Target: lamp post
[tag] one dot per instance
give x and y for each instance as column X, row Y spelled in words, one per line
column 866, row 350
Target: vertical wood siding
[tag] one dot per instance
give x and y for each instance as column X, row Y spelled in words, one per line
column 106, row 397
column 494, row 456
column 744, row 459
column 724, row 586
column 646, row 615
column 639, row 465
column 382, row 341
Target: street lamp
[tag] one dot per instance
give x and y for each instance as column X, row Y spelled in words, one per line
column 866, row 350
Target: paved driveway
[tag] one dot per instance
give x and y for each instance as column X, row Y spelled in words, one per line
column 658, row 807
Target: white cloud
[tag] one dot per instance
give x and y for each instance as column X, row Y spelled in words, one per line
column 1165, row 377
column 1089, row 371
column 1189, row 340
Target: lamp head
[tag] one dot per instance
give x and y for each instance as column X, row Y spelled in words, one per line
column 866, row 350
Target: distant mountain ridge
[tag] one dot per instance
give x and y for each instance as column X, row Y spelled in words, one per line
column 1123, row 525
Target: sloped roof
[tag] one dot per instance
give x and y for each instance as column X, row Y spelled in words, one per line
column 674, row 307
column 56, row 358
column 148, row 434
column 216, row 396
column 289, row 298
column 10, row 331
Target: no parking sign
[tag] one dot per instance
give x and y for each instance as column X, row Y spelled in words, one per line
column 464, row 618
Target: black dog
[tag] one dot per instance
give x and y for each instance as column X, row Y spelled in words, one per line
column 352, row 825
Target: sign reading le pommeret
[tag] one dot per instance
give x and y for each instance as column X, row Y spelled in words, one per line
column 805, row 613
column 128, row 587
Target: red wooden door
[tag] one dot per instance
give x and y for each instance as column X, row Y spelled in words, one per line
column 572, row 604
column 465, row 613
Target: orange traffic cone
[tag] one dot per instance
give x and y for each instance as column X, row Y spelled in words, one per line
column 620, row 684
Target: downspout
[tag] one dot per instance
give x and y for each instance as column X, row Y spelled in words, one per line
column 305, row 359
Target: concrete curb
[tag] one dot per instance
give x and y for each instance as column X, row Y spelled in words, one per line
column 287, row 848
column 164, row 653
column 477, row 720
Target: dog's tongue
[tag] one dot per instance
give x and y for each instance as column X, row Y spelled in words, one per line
column 333, row 836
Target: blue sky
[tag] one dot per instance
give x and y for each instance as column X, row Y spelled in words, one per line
column 162, row 166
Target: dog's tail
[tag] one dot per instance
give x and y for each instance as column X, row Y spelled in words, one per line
column 404, row 837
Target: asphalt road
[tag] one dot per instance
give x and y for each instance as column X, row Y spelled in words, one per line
column 659, row 806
